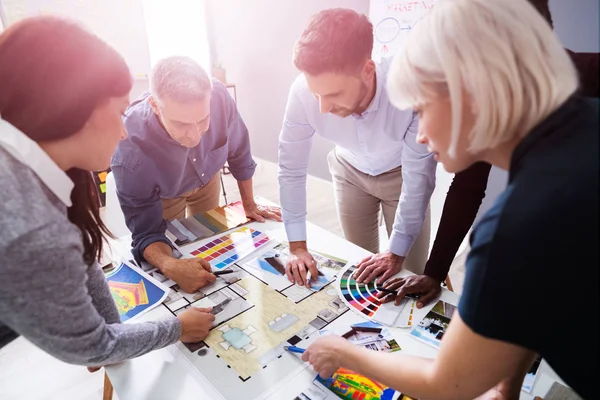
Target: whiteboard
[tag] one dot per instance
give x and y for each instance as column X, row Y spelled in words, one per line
column 118, row 22
column 392, row 21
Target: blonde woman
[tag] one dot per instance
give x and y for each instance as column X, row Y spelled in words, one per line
column 492, row 83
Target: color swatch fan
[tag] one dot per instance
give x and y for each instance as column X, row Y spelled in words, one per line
column 227, row 249
column 363, row 299
column 204, row 225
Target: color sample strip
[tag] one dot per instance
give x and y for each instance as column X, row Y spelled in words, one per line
column 184, row 230
column 181, row 238
column 204, row 221
column 196, row 227
column 227, row 249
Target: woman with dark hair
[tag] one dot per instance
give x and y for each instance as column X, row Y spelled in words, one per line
column 62, row 94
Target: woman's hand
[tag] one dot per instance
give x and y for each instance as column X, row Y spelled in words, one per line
column 327, row 354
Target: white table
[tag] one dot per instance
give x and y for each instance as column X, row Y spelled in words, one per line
column 166, row 373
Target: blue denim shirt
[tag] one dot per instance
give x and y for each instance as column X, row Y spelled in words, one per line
column 150, row 166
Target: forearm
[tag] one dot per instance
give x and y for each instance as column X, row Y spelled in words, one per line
column 100, row 294
column 159, row 254
column 418, row 182
column 413, row 204
column 57, row 312
column 466, row 366
column 113, row 343
column 417, row 377
column 246, row 192
column 463, row 199
column 408, row 374
column 512, row 384
column 292, row 195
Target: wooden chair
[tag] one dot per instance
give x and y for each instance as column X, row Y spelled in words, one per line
column 448, row 284
column 107, row 393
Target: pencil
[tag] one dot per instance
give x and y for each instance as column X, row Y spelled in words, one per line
column 226, row 271
column 408, row 295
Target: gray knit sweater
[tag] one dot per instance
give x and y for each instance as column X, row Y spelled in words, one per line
column 47, row 293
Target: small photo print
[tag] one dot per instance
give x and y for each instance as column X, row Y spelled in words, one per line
column 530, row 377
column 432, row 327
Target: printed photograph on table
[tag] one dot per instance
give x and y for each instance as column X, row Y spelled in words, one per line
column 134, row 292
column 231, row 247
column 349, row 385
column 274, row 261
column 346, row 384
column 362, row 299
column 188, row 230
column 432, row 328
column 531, row 375
column 372, row 336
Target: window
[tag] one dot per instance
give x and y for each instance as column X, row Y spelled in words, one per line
column 177, row 27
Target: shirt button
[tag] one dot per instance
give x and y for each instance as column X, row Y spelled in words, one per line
column 194, row 160
column 202, row 174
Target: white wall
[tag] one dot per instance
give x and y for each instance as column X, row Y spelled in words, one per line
column 576, row 24
column 254, row 41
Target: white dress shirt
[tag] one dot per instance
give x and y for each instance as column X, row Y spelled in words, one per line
column 379, row 140
column 28, row 152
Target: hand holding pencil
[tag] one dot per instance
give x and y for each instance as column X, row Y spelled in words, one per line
column 301, row 267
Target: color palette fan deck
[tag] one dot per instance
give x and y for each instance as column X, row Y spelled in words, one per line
column 362, row 298
column 204, row 225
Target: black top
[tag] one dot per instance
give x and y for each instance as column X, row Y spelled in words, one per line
column 532, row 273
column 468, row 187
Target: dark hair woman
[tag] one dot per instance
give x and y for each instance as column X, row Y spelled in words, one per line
column 62, row 93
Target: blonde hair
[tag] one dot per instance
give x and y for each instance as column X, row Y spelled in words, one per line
column 502, row 53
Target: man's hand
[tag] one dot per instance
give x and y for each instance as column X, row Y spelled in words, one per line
column 384, row 265
column 299, row 263
column 189, row 273
column 195, row 324
column 427, row 287
column 260, row 213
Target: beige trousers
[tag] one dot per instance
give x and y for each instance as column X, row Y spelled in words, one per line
column 359, row 199
column 195, row 201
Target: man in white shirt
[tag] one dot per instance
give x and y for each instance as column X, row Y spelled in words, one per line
column 341, row 95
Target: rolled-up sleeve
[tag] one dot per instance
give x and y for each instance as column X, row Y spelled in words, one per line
column 239, row 158
column 141, row 207
column 295, row 142
column 418, row 182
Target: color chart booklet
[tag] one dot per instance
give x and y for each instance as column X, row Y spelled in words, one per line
column 184, row 231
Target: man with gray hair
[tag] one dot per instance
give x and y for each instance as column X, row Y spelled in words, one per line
column 180, row 136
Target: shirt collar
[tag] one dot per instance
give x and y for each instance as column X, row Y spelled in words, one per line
column 28, row 152
column 374, row 106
